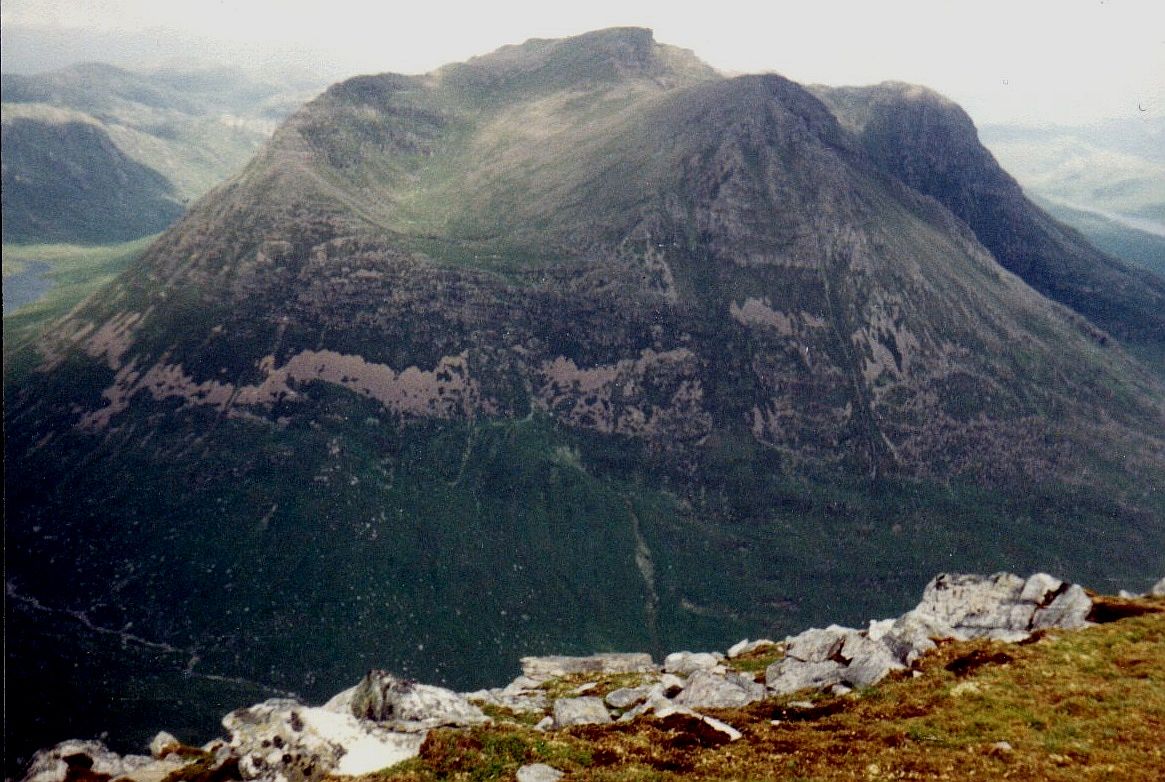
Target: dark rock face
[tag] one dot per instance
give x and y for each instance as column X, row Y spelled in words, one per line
column 931, row 145
column 572, row 346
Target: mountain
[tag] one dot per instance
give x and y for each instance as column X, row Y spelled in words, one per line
column 97, row 154
column 930, row 144
column 574, row 346
column 52, row 164
column 1132, row 240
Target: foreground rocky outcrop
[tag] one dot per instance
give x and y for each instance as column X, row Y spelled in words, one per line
column 384, row 720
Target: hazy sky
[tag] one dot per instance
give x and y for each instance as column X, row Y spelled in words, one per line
column 1005, row 60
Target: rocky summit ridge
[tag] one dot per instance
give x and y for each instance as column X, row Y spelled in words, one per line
column 575, row 345
column 384, row 720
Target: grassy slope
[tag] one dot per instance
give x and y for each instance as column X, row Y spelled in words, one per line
column 1074, row 705
column 76, row 271
column 505, row 504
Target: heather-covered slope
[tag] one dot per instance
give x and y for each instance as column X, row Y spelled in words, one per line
column 573, row 346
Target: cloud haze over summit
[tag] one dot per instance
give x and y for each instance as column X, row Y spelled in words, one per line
column 1032, row 62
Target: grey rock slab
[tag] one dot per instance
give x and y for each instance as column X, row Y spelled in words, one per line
column 879, row 628
column 1003, row 606
column 817, row 645
column 543, row 668
column 869, row 659
column 979, row 606
column 523, row 684
column 522, row 701
column 1040, row 588
column 790, row 675
column 655, row 700
column 163, row 744
column 744, row 647
column 626, row 697
column 672, row 685
column 53, row 764
column 687, row 663
column 912, row 635
column 869, row 666
column 586, row 710
column 382, row 697
column 341, row 702
column 1069, row 609
column 282, row 739
column 710, row 690
column 539, row 772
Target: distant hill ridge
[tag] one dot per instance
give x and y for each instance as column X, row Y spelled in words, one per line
column 98, row 154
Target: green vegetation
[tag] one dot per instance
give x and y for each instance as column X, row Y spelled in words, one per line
column 1074, row 705
column 75, row 271
column 454, row 548
column 597, row 685
column 758, row 661
column 490, row 754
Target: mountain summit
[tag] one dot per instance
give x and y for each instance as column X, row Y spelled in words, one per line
column 574, row 346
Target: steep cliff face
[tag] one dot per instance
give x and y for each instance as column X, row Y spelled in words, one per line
column 931, row 144
column 574, row 345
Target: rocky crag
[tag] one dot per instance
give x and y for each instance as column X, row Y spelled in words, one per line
column 384, row 720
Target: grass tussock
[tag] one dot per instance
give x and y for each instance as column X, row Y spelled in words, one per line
column 1069, row 705
column 758, row 660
